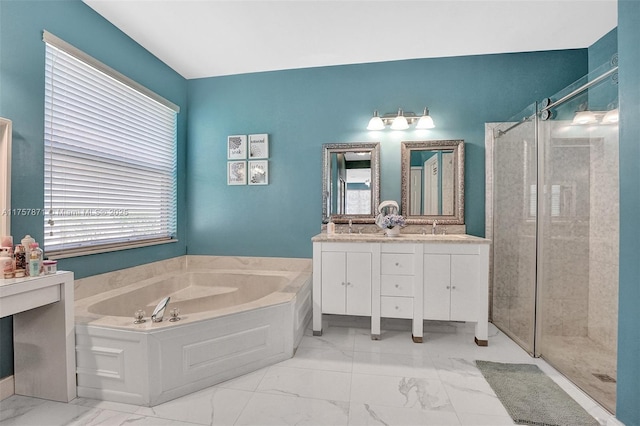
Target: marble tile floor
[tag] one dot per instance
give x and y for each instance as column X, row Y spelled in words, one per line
column 339, row 378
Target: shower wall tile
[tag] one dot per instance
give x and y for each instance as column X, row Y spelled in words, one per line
column 604, row 238
column 603, row 303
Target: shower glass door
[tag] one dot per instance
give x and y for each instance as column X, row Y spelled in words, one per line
column 578, row 237
column 514, row 227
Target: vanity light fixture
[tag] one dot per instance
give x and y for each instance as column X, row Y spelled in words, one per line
column 401, row 120
column 592, row 117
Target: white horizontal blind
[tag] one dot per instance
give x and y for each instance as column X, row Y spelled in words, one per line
column 110, row 160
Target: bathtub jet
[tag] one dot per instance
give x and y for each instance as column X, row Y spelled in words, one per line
column 158, row 312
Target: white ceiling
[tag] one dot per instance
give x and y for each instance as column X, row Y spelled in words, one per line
column 205, row 38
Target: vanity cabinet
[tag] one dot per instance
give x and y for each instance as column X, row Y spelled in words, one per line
column 451, row 287
column 342, row 280
column 346, row 282
column 413, row 277
column 455, row 280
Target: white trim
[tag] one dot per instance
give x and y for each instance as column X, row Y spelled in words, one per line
column 51, row 39
column 5, row 177
column 85, row 251
column 7, row 387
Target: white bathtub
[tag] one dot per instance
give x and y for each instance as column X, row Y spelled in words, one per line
column 236, row 315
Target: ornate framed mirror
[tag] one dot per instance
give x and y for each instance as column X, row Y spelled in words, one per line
column 433, row 182
column 350, row 182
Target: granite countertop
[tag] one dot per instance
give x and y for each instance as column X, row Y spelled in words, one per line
column 402, row 238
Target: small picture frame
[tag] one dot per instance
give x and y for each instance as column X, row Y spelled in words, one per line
column 236, row 147
column 236, row 172
column 259, row 146
column 259, row 172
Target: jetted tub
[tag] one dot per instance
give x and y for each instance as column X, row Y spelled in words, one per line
column 236, row 315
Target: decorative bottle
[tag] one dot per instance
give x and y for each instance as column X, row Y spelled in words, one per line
column 26, row 243
column 35, row 260
column 21, row 261
column 6, row 262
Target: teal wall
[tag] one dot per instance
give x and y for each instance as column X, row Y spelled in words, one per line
column 22, row 101
column 628, row 399
column 302, row 109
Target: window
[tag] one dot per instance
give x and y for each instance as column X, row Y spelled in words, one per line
column 110, row 157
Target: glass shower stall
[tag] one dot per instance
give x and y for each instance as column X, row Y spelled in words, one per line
column 552, row 214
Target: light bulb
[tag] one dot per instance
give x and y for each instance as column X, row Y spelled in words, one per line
column 400, row 122
column 376, row 122
column 611, row 117
column 425, row 122
column 584, row 117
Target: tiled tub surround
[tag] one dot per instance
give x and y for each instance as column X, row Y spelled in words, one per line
column 237, row 315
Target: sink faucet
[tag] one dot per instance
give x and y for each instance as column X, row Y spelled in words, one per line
column 158, row 312
column 434, row 227
column 350, row 223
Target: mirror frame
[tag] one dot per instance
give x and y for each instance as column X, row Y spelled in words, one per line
column 458, row 163
column 330, row 148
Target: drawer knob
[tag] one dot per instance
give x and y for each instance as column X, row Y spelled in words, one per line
column 397, row 263
column 448, row 287
column 397, row 308
column 397, row 285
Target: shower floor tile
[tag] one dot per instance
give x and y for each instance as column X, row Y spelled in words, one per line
column 581, row 359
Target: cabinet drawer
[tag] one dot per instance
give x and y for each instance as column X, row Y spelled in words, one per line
column 396, row 264
column 396, row 285
column 396, row 307
column 397, row 248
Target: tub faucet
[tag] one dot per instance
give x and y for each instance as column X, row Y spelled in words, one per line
column 158, row 312
column 434, row 227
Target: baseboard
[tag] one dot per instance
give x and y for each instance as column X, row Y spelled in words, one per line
column 7, row 387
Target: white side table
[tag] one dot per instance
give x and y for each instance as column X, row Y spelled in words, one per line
column 43, row 334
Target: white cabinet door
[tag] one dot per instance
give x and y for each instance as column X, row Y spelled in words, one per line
column 334, row 282
column 437, row 286
column 346, row 283
column 358, row 275
column 465, row 297
column 451, row 287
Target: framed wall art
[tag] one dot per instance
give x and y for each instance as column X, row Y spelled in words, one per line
column 237, row 147
column 259, row 146
column 236, row 172
column 259, row 172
